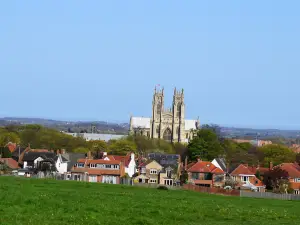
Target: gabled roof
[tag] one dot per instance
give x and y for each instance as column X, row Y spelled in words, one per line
column 11, row 146
column 222, row 163
column 99, row 161
column 293, row 169
column 11, row 163
column 242, row 169
column 205, row 167
column 165, row 159
column 31, row 156
column 72, row 158
column 140, row 122
column 126, row 159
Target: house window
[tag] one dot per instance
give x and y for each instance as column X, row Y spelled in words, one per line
column 296, row 192
column 143, row 170
column 169, row 182
column 195, row 176
column 169, row 173
column 80, row 165
column 153, row 171
column 115, row 166
column 92, row 165
column 109, row 179
column 245, row 179
column 297, row 180
column 153, row 181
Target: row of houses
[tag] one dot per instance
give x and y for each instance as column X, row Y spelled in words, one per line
column 156, row 168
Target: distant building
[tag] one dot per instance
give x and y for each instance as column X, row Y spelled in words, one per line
column 257, row 143
column 168, row 124
column 102, row 137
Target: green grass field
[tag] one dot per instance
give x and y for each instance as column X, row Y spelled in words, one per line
column 30, row 201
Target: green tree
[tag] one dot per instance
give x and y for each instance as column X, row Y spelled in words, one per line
column 6, row 137
column 205, row 145
column 277, row 154
column 4, row 152
column 81, row 150
column 122, row 147
column 97, row 145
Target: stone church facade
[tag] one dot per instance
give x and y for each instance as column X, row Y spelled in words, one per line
column 168, row 124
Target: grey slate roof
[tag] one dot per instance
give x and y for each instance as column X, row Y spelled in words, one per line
column 165, row 159
column 222, row 163
column 72, row 158
column 31, row 156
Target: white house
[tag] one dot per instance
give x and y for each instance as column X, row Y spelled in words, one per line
column 61, row 164
column 128, row 160
column 31, row 160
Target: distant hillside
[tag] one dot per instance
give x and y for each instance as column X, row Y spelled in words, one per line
column 70, row 126
column 122, row 128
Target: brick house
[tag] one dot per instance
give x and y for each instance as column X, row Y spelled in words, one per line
column 8, row 165
column 204, row 173
column 246, row 179
column 148, row 172
column 128, row 160
column 293, row 170
column 97, row 170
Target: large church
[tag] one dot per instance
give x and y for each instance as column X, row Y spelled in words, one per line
column 166, row 123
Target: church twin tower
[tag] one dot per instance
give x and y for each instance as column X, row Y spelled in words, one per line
column 166, row 123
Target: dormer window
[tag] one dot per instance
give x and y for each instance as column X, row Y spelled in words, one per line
column 80, row 165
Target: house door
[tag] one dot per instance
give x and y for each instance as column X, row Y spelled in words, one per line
column 92, row 178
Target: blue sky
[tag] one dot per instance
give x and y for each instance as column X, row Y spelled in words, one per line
column 238, row 61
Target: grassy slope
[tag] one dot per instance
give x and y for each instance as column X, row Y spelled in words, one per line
column 29, row 201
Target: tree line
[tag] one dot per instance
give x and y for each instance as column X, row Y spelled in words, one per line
column 207, row 145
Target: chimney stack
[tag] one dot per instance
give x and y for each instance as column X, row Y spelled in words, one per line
column 104, row 154
column 227, row 168
column 185, row 163
column 89, row 155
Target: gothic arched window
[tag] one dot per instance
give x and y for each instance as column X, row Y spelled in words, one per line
column 168, row 135
column 178, row 112
column 158, row 108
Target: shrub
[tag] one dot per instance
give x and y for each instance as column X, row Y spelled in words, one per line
column 162, row 188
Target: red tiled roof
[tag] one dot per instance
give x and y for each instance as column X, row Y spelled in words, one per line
column 259, row 182
column 293, row 169
column 96, row 171
column 254, row 169
column 205, row 167
column 242, row 169
column 190, row 165
column 11, row 146
column 11, row 163
column 126, row 159
column 98, row 161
